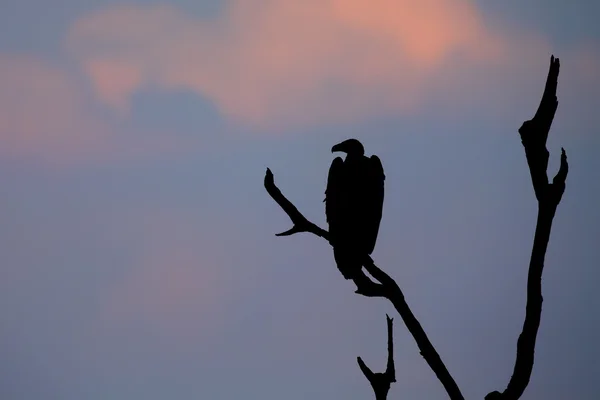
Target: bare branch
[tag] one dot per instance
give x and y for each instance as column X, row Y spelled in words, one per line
column 387, row 288
column 301, row 224
column 381, row 381
column 390, row 370
column 534, row 134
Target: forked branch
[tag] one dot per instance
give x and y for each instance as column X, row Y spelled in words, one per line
column 381, row 381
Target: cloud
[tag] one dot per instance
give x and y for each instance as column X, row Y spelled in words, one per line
column 46, row 115
column 273, row 62
column 42, row 112
column 114, row 81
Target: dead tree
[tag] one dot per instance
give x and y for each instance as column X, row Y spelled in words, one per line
column 534, row 134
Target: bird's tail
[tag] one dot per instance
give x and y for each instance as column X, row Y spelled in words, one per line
column 348, row 262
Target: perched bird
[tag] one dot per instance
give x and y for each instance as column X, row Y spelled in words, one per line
column 353, row 206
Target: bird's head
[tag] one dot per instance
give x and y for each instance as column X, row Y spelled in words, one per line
column 352, row 147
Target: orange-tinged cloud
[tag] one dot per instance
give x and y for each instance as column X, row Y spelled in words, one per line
column 424, row 30
column 42, row 113
column 46, row 115
column 114, row 81
column 269, row 62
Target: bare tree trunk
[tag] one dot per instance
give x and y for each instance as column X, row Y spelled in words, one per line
column 534, row 134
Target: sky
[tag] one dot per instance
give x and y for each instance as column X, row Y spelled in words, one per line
column 139, row 259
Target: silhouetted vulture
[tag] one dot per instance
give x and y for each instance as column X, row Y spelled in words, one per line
column 353, row 205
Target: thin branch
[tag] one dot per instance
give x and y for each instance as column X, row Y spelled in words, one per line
column 534, row 134
column 301, row 224
column 387, row 289
column 381, row 381
column 390, row 370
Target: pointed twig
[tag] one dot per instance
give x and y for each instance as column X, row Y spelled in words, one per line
column 388, row 289
column 534, row 134
column 381, row 381
column 390, row 369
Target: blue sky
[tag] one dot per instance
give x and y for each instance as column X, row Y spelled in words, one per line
column 139, row 256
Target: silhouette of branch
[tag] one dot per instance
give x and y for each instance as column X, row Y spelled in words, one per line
column 301, row 224
column 381, row 381
column 534, row 134
column 387, row 289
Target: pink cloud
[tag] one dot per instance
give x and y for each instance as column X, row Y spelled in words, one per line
column 46, row 115
column 270, row 62
column 42, row 112
column 113, row 81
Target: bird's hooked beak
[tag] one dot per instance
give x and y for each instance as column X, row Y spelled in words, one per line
column 340, row 147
